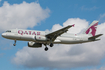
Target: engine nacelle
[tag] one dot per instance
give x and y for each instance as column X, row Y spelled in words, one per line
column 34, row 45
column 41, row 38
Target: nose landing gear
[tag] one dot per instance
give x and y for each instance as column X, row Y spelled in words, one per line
column 14, row 43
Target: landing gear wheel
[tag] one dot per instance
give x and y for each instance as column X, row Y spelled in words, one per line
column 46, row 48
column 14, row 43
column 51, row 45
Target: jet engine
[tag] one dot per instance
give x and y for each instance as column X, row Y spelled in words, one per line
column 34, row 45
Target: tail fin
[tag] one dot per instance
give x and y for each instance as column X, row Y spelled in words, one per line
column 91, row 30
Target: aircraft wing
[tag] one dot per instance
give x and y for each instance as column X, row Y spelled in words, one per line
column 52, row 36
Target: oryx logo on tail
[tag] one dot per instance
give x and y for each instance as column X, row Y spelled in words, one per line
column 92, row 28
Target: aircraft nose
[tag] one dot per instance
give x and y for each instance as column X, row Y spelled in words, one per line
column 3, row 34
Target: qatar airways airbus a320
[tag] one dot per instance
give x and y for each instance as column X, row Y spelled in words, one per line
column 37, row 38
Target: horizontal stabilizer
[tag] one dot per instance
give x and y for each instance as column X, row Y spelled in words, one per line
column 96, row 36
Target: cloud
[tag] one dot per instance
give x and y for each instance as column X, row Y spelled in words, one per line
column 102, row 17
column 24, row 15
column 80, row 24
column 64, row 56
column 89, row 9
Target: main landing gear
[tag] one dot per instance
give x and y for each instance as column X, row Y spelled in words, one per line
column 46, row 48
column 51, row 45
column 14, row 43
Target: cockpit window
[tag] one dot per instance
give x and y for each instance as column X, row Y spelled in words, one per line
column 8, row 31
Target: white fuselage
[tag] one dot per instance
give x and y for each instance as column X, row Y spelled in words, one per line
column 39, row 37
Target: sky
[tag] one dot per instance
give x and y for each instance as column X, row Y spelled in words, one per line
column 51, row 15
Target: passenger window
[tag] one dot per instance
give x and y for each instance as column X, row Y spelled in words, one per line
column 8, row 31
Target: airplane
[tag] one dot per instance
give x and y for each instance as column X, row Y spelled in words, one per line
column 38, row 38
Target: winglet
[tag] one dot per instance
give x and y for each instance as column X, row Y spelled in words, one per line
column 73, row 25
